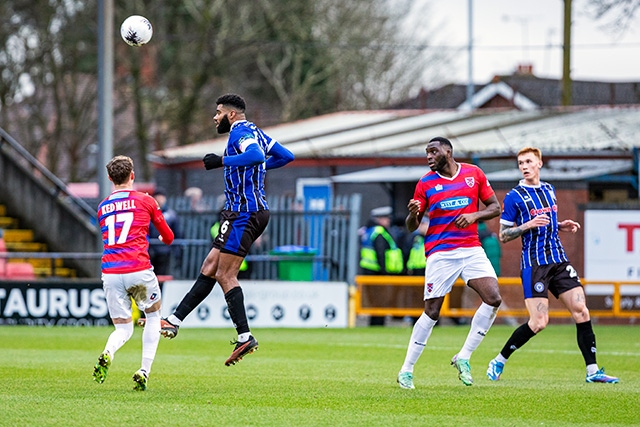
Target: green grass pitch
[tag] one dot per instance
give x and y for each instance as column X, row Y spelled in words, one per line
column 314, row 377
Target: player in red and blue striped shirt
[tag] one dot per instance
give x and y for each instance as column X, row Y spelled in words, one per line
column 127, row 273
column 124, row 219
column 450, row 197
column 445, row 199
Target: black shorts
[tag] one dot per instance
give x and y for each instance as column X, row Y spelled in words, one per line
column 538, row 280
column 238, row 231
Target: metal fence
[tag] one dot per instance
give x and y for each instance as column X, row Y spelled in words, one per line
column 318, row 245
column 402, row 296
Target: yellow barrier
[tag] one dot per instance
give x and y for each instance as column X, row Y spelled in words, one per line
column 406, row 300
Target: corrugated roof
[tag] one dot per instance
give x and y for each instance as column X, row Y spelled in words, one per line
column 556, row 169
column 581, row 131
column 482, row 133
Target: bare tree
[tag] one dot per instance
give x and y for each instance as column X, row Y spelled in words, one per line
column 618, row 14
column 393, row 57
column 47, row 89
column 293, row 58
column 332, row 55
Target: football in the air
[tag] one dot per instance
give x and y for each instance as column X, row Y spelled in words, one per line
column 136, row 30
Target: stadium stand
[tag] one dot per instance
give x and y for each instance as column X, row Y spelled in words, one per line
column 16, row 269
column 15, row 239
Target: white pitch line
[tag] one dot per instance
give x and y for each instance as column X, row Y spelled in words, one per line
column 541, row 351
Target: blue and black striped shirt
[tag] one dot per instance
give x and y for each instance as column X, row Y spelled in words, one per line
column 244, row 185
column 540, row 245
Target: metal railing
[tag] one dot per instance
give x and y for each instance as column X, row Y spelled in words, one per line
column 43, row 204
column 331, row 234
column 408, row 301
column 271, row 260
column 58, row 188
column 53, row 257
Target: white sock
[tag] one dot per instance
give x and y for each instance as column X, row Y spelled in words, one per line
column 119, row 337
column 419, row 336
column 500, row 358
column 592, row 369
column 244, row 337
column 480, row 324
column 150, row 339
column 174, row 320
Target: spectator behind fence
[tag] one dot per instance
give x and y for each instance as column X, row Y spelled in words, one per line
column 163, row 256
column 379, row 253
column 416, row 262
column 196, row 202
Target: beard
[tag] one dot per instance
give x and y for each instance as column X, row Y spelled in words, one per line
column 224, row 126
column 439, row 165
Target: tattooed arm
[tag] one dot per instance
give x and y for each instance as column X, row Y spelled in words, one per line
column 510, row 232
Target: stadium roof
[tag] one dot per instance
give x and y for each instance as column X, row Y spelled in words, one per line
column 485, row 133
column 556, row 169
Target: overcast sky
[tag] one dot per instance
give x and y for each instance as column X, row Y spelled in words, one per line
column 509, row 32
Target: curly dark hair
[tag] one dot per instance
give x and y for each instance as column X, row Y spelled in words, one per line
column 232, row 100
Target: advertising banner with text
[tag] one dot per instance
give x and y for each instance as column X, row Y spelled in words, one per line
column 53, row 303
column 612, row 245
column 612, row 252
column 269, row 304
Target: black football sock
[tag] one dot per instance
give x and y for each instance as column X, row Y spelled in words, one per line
column 518, row 338
column 587, row 342
column 198, row 292
column 235, row 305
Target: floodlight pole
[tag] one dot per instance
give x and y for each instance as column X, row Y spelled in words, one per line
column 470, row 88
column 105, row 94
column 567, row 93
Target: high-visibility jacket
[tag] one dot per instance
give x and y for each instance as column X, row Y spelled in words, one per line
column 417, row 259
column 215, row 229
column 392, row 257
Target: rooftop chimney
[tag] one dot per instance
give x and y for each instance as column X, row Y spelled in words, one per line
column 525, row 69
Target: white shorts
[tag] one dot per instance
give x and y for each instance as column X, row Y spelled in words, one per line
column 142, row 286
column 444, row 268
